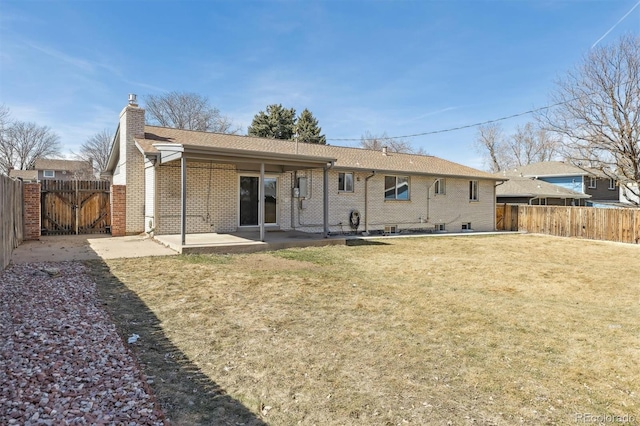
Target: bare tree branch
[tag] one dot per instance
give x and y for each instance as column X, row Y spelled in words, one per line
column 599, row 113
column 527, row 145
column 377, row 142
column 491, row 144
column 23, row 143
column 96, row 150
column 188, row 111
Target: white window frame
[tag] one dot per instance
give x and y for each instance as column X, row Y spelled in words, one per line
column 474, row 189
column 344, row 182
column 612, row 184
column 275, row 224
column 396, row 177
column 593, row 182
column 45, row 173
column 440, row 227
column 440, row 186
column 466, row 226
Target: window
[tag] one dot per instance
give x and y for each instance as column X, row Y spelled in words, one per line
column 49, row 173
column 473, row 190
column 466, row 226
column 592, row 182
column 440, row 227
column 396, row 187
column 612, row 184
column 439, row 186
column 345, row 182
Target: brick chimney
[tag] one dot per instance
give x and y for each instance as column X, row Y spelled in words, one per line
column 131, row 173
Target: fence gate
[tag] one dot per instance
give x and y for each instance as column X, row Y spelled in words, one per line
column 75, row 207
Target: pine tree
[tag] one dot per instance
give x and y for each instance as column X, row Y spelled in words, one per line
column 307, row 129
column 276, row 123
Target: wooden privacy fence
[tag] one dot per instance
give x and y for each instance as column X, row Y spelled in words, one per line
column 621, row 225
column 11, row 210
column 75, row 207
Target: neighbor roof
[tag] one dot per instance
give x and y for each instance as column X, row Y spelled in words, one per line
column 346, row 158
column 70, row 165
column 550, row 168
column 24, row 174
column 528, row 187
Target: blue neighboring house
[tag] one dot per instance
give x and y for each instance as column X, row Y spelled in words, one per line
column 603, row 190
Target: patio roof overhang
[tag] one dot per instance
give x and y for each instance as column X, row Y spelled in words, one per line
column 244, row 159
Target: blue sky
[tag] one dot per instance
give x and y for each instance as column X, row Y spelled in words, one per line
column 400, row 67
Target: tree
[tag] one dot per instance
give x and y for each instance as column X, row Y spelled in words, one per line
column 307, row 129
column 96, row 150
column 490, row 143
column 598, row 112
column 377, row 142
column 23, row 143
column 276, row 123
column 529, row 144
column 189, row 111
column 6, row 151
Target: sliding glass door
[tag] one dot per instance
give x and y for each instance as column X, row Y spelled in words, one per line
column 249, row 200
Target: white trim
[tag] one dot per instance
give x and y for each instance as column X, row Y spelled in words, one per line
column 278, row 195
column 53, row 173
column 344, row 181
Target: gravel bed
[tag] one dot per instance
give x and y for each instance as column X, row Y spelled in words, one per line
column 61, row 359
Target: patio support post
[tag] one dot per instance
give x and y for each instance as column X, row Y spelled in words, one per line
column 325, row 203
column 183, row 200
column 261, row 202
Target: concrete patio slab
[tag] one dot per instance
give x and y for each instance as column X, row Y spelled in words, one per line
column 245, row 242
column 60, row 248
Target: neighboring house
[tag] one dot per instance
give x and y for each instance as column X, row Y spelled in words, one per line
column 602, row 189
column 24, row 175
column 45, row 169
column 177, row 181
column 522, row 190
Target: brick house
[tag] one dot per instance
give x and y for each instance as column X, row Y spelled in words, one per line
column 55, row 169
column 171, row 181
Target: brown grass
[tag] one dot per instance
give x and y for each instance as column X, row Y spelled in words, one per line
column 469, row 330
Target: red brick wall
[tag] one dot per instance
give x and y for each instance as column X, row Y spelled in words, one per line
column 31, row 212
column 118, row 210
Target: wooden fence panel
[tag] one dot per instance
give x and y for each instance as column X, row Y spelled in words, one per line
column 507, row 217
column 75, row 207
column 621, row 225
column 12, row 224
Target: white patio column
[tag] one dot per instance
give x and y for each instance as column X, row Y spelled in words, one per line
column 183, row 200
column 261, row 202
column 325, row 203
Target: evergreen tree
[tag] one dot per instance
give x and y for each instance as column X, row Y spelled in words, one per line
column 307, row 129
column 276, row 123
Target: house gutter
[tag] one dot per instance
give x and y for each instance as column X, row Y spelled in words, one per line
column 366, row 201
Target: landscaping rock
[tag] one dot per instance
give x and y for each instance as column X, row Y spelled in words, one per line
column 61, row 359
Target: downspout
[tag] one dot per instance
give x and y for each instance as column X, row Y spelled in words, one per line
column 366, row 201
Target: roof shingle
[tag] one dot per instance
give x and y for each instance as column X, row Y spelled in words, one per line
column 347, row 158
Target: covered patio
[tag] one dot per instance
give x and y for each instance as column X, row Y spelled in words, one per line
column 251, row 238
column 245, row 241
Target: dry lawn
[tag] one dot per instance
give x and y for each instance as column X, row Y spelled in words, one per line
column 504, row 330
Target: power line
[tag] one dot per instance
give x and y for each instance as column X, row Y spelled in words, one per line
column 466, row 126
